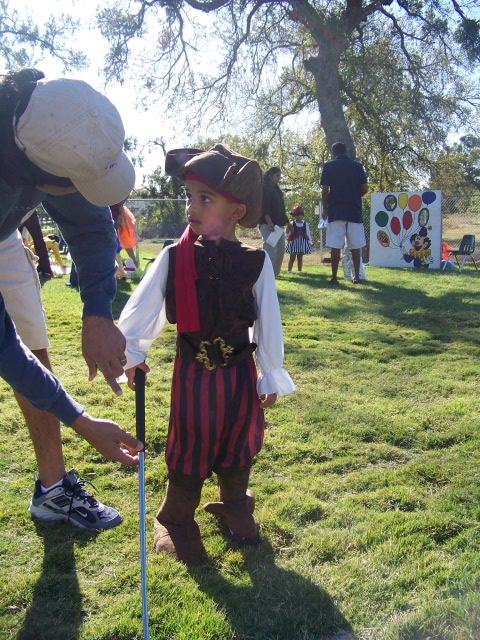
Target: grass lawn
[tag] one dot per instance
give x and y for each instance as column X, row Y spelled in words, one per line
column 367, row 487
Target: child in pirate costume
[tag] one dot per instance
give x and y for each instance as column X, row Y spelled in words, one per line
column 221, row 294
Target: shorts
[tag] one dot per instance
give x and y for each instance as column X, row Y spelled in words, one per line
column 338, row 230
column 216, row 420
column 20, row 288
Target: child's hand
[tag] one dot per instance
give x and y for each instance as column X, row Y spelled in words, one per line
column 267, row 400
column 130, row 373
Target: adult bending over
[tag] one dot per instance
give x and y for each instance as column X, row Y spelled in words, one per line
column 61, row 144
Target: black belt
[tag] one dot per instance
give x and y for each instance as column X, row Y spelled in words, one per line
column 216, row 352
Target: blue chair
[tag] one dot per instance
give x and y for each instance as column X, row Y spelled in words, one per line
column 466, row 249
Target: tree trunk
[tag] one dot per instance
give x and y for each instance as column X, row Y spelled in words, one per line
column 324, row 68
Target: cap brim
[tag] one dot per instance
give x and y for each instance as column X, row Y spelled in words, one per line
column 115, row 187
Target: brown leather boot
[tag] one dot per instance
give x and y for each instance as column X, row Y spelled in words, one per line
column 175, row 530
column 235, row 511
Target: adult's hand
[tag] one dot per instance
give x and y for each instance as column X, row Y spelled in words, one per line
column 107, row 438
column 103, row 345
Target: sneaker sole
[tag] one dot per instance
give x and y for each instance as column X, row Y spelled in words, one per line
column 41, row 514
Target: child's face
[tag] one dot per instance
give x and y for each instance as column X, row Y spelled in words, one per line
column 299, row 217
column 209, row 214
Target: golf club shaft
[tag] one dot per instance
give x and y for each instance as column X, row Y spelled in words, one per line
column 140, row 434
column 143, row 546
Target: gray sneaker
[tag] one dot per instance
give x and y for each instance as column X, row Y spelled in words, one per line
column 72, row 503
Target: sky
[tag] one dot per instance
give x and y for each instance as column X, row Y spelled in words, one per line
column 140, row 124
column 143, row 125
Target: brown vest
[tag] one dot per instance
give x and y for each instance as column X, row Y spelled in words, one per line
column 226, row 274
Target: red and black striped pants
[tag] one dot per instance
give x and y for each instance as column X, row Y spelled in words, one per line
column 216, row 420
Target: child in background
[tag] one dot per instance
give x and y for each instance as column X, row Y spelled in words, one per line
column 221, row 294
column 446, row 263
column 127, row 234
column 299, row 241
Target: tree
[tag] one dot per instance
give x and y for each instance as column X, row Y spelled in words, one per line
column 23, row 43
column 295, row 56
column 160, row 185
column 457, row 169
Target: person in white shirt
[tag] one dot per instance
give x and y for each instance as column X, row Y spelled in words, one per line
column 221, row 294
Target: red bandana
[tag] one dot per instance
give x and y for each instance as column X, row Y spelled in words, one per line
column 194, row 176
column 185, row 291
column 185, row 273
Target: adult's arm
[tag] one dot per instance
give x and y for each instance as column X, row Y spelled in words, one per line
column 89, row 232
column 90, row 235
column 267, row 206
column 26, row 375
column 325, row 194
column 363, row 189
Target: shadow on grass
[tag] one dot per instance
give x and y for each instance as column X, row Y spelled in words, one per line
column 407, row 302
column 56, row 610
column 278, row 603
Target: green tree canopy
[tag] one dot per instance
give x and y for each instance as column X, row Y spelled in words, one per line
column 282, row 58
column 23, row 43
column 457, row 169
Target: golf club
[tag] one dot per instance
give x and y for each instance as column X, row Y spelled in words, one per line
column 140, row 434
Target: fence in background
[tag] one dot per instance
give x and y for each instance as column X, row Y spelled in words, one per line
column 159, row 220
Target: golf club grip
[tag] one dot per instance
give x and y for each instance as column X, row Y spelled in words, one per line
column 140, row 404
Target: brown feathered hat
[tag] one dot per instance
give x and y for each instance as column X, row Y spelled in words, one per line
column 225, row 171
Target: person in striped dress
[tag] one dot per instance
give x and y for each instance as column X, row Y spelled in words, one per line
column 221, row 295
column 299, row 240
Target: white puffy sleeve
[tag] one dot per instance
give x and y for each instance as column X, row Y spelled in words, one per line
column 268, row 335
column 143, row 317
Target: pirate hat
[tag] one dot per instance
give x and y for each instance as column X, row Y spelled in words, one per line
column 225, row 171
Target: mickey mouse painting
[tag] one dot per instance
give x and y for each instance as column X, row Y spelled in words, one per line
column 420, row 253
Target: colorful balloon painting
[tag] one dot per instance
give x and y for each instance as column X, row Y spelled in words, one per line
column 390, row 203
column 381, row 218
column 423, row 217
column 403, row 200
column 415, row 202
column 395, row 225
column 429, row 197
column 383, row 238
column 407, row 219
column 406, row 229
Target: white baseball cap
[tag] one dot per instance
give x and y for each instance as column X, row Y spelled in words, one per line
column 70, row 130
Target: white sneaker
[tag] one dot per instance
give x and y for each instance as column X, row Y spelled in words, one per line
column 72, row 503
